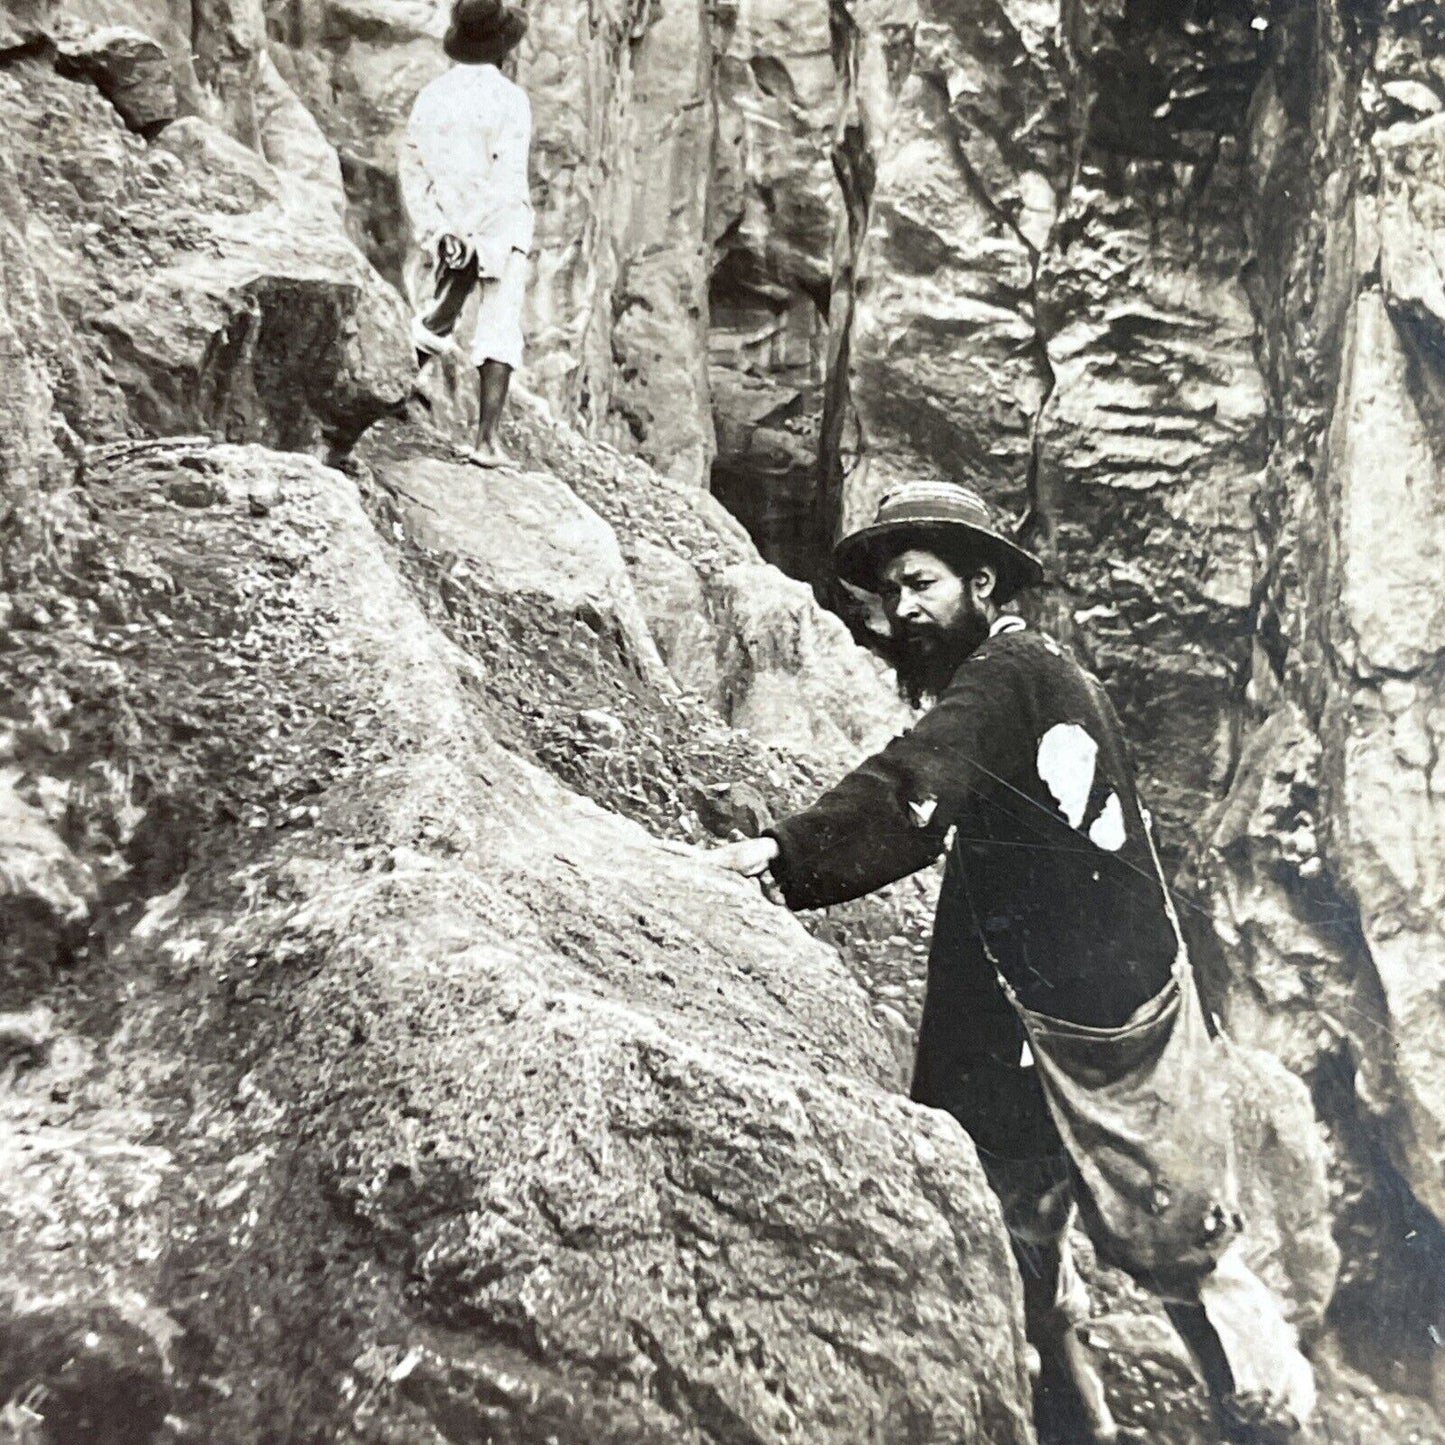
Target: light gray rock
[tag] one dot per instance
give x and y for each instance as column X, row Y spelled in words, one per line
column 527, row 534
column 207, row 293
column 527, row 1122
column 132, row 71
column 791, row 673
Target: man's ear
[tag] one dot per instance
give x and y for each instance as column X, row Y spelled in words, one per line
column 983, row 582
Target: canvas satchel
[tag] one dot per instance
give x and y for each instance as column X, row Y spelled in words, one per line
column 1143, row 1113
column 1145, row 1116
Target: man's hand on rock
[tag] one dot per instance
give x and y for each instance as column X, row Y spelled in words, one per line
column 749, row 856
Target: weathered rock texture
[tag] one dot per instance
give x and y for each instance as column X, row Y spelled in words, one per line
column 332, row 937
column 774, row 212
column 1040, row 293
column 1165, row 280
column 1324, row 866
column 371, row 1071
column 441, row 1100
column 198, row 288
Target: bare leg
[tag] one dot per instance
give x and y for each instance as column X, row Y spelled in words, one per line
column 1075, row 1362
column 495, row 378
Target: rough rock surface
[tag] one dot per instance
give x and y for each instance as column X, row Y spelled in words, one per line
column 518, row 1121
column 1040, row 293
column 1322, row 871
column 1168, row 275
column 754, row 644
column 131, row 70
column 316, row 950
column 529, row 535
column 200, row 291
column 773, row 214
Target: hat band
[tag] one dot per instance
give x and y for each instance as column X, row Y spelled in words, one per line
column 941, row 509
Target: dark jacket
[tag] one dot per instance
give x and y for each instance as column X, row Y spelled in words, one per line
column 1020, row 772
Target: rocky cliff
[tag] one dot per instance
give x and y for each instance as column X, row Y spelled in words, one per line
column 377, row 1064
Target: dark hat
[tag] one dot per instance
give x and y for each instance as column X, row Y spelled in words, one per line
column 483, row 31
column 924, row 514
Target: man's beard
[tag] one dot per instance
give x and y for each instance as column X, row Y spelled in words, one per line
column 925, row 657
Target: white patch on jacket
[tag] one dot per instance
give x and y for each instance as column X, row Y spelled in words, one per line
column 1107, row 830
column 923, row 812
column 1067, row 755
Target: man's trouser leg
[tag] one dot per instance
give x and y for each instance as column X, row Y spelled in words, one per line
column 1038, row 1210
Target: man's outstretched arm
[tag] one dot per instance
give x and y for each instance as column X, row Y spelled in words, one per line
column 890, row 816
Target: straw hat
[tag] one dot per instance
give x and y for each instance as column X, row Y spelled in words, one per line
column 930, row 514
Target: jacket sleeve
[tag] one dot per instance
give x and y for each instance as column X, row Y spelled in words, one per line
column 418, row 193
column 891, row 815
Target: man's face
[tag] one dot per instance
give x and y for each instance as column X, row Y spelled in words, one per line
column 922, row 594
column 937, row 617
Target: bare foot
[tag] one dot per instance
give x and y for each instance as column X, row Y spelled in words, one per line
column 488, row 454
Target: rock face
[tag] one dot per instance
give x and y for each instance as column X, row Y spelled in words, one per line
column 502, row 1101
column 623, row 131
column 1322, row 868
column 337, row 932
column 200, row 290
column 530, row 535
column 364, row 1079
column 131, row 70
column 773, row 204
column 1041, row 294
column 1168, row 286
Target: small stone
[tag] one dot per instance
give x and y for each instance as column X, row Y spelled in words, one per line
column 602, row 727
column 186, row 489
column 26, row 1033
column 1414, row 96
column 263, row 496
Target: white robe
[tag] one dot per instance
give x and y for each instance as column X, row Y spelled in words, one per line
column 463, row 165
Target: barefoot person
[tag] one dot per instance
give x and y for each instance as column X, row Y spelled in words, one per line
column 1060, row 1024
column 463, row 171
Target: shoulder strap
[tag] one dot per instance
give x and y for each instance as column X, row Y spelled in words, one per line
column 1148, row 820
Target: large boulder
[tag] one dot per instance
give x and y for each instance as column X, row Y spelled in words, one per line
column 756, row 646
column 204, row 290
column 737, row 633
column 791, row 673
column 441, row 1100
column 528, row 535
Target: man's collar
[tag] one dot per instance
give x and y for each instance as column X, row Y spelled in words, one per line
column 1008, row 622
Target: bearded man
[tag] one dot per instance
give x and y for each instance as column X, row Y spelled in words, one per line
column 1060, row 1025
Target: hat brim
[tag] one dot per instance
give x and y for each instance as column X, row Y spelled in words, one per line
column 862, row 555
column 471, row 47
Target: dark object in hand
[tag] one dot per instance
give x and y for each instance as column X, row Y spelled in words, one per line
column 452, row 252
